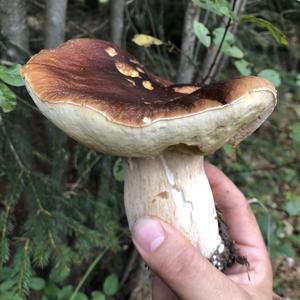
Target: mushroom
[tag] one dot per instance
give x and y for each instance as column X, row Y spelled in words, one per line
column 104, row 98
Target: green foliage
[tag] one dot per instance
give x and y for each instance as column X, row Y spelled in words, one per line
column 111, row 285
column 96, row 295
column 278, row 36
column 293, row 204
column 228, row 46
column 37, row 283
column 11, row 76
column 118, row 170
column 295, row 135
column 271, row 75
column 202, row 33
column 219, row 7
column 243, row 67
column 8, row 98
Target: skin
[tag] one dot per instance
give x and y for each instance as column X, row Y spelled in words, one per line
column 181, row 272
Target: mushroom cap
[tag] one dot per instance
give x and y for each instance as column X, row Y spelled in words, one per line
column 104, row 98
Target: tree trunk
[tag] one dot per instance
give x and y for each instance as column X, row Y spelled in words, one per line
column 208, row 71
column 14, row 28
column 117, row 20
column 55, row 22
column 186, row 65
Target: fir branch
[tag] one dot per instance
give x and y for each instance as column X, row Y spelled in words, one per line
column 23, row 168
column 5, row 225
column 22, row 269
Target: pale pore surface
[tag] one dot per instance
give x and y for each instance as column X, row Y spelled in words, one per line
column 208, row 130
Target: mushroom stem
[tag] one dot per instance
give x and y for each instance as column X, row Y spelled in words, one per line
column 173, row 187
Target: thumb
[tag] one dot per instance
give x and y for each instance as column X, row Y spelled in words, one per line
column 172, row 257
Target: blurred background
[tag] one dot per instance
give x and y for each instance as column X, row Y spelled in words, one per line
column 63, row 230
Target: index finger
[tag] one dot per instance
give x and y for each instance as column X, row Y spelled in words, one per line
column 234, row 208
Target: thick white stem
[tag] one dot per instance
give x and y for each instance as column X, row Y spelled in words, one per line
column 173, row 187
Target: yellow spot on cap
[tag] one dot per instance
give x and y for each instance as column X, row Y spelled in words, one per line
column 148, row 85
column 111, row 51
column 126, row 69
column 187, row 89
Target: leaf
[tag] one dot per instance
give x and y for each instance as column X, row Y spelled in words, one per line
column 202, row 33
column 8, row 99
column 97, row 295
column 81, row 296
column 59, row 273
column 286, row 249
column 37, row 283
column 7, row 285
column 276, row 33
column 271, row 75
column 219, row 7
column 118, row 171
column 11, row 75
column 218, row 36
column 232, row 51
column 228, row 47
column 65, row 292
column 111, row 285
column 5, row 272
column 51, row 290
column 230, row 151
column 243, row 67
column 145, row 40
column 293, row 205
column 295, row 135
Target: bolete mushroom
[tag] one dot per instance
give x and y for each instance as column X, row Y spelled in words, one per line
column 104, row 98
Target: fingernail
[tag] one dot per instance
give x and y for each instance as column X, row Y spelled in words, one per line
column 148, row 234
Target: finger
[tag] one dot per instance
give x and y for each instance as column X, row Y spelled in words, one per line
column 179, row 264
column 243, row 229
column 235, row 209
column 160, row 291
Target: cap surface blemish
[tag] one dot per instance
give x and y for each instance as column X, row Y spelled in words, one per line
column 111, row 51
column 188, row 89
column 126, row 69
column 148, row 85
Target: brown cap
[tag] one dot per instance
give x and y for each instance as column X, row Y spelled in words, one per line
column 103, row 97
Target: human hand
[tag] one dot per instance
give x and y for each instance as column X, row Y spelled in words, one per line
column 181, row 270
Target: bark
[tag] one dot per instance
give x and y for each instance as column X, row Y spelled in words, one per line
column 186, row 65
column 55, row 22
column 117, row 9
column 211, row 57
column 14, row 28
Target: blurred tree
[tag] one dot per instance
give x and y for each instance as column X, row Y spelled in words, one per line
column 186, row 67
column 14, row 28
column 117, row 8
column 55, row 22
